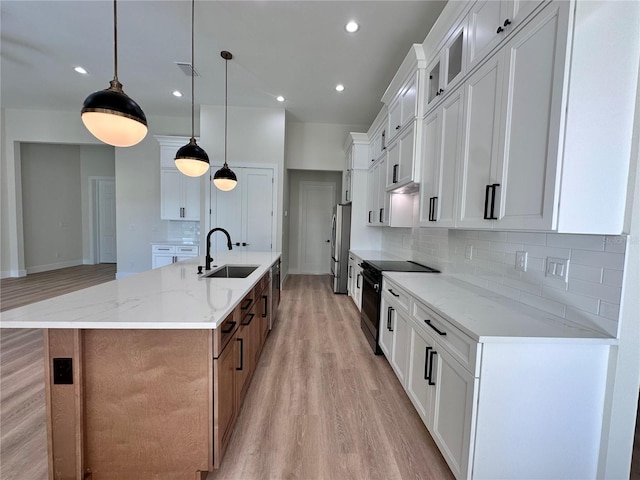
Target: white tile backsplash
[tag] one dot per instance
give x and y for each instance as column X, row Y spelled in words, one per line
column 591, row 295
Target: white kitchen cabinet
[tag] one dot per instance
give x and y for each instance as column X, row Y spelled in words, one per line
column 165, row 254
column 179, row 196
column 356, row 158
column 355, row 280
column 442, row 146
column 419, row 387
column 403, row 164
column 404, row 107
column 513, row 111
column 446, row 69
column 378, row 138
column 490, row 22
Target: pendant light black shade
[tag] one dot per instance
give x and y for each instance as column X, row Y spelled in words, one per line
column 225, row 179
column 191, row 159
column 111, row 115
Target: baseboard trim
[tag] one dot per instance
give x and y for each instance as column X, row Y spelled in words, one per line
column 13, row 273
column 53, row 266
column 124, row 274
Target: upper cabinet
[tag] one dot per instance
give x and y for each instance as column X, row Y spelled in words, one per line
column 491, row 21
column 533, row 151
column 446, row 69
column 179, row 194
column 404, row 100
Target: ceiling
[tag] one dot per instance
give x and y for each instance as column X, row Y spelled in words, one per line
column 298, row 49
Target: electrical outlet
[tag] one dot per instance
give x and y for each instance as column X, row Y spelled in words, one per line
column 557, row 268
column 521, row 261
column 468, row 254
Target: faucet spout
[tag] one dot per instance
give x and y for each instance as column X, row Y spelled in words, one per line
column 208, row 258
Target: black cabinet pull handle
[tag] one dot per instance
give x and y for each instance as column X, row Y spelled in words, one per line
column 426, row 362
column 241, row 353
column 433, row 209
column 250, row 317
column 500, row 30
column 431, row 355
column 230, row 329
column 392, row 292
column 381, row 210
column 493, row 201
column 440, row 332
column 486, row 202
column 395, row 173
column 358, row 281
column 370, row 212
column 246, row 304
column 264, row 297
column 430, row 209
column 389, row 310
column 506, row 22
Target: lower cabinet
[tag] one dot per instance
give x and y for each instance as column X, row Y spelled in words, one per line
column 354, row 283
column 516, row 408
column 233, row 369
column 165, row 254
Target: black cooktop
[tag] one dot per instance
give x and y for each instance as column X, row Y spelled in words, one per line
column 398, row 266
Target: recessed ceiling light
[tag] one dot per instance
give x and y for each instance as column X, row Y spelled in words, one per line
column 339, row 87
column 176, row 93
column 80, row 70
column 280, row 98
column 352, row 27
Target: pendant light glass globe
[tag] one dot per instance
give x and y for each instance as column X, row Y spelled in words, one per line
column 225, row 179
column 111, row 115
column 192, row 160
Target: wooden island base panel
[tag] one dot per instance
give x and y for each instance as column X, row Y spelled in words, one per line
column 148, row 404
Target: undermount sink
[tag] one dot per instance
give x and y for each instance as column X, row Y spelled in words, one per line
column 232, row 271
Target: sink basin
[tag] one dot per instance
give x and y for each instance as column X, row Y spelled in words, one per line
column 232, row 271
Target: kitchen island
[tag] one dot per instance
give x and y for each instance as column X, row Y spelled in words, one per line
column 145, row 376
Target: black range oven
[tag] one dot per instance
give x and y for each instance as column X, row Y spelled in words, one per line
column 372, row 293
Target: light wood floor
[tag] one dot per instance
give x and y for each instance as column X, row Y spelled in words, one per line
column 320, row 404
column 15, row 292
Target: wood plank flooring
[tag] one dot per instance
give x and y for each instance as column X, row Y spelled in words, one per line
column 15, row 292
column 322, row 406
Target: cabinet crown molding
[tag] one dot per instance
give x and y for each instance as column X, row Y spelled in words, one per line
column 354, row 138
column 415, row 59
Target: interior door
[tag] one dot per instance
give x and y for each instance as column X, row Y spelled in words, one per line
column 317, row 201
column 107, row 221
column 246, row 212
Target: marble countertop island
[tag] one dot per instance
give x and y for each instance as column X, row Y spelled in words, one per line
column 171, row 297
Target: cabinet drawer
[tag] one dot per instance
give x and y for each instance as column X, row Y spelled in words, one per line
column 225, row 331
column 395, row 295
column 462, row 347
column 187, row 250
column 163, row 248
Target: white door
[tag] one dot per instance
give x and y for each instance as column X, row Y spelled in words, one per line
column 316, row 211
column 246, row 212
column 107, row 221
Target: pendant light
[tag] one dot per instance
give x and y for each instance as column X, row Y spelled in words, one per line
column 225, row 179
column 110, row 115
column 191, row 159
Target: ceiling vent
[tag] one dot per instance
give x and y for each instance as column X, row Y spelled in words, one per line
column 186, row 69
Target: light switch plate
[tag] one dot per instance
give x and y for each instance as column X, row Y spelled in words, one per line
column 557, row 268
column 521, row 261
column 468, row 254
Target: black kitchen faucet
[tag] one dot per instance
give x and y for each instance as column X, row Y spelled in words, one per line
column 208, row 258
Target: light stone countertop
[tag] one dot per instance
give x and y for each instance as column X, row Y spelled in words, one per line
column 374, row 255
column 171, row 297
column 488, row 317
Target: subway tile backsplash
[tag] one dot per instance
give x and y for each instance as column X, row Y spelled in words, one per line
column 590, row 296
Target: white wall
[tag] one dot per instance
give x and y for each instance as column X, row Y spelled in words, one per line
column 296, row 177
column 51, row 206
column 137, row 182
column 317, row 146
column 254, row 135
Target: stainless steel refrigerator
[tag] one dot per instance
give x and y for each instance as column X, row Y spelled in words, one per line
column 340, row 235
